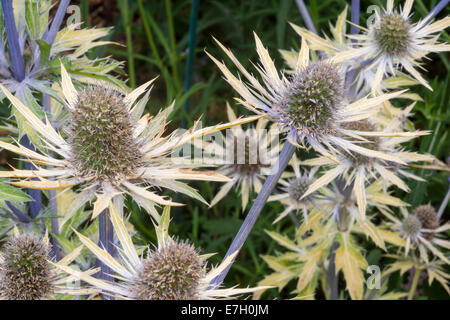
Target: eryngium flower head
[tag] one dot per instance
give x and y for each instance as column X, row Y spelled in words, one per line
column 113, row 149
column 392, row 34
column 174, row 270
column 311, row 100
column 309, row 106
column 25, row 273
column 428, row 218
column 393, row 41
column 411, row 226
column 248, row 156
column 101, row 138
column 170, row 273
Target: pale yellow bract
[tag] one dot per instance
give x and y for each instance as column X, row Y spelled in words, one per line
column 126, row 268
column 159, row 168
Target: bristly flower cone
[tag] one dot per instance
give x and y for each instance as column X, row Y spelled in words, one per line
column 297, row 188
column 313, row 97
column 372, row 144
column 392, row 35
column 25, row 273
column 102, row 142
column 171, row 273
column 428, row 217
column 411, row 226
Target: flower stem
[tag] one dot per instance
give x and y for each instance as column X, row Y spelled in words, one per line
column 306, row 16
column 15, row 53
column 356, row 5
column 414, row 283
column 332, row 275
column 441, row 5
column 106, row 241
column 49, row 36
column 191, row 55
column 286, row 154
column 443, row 204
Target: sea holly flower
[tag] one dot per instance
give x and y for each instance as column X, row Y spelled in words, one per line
column 253, row 152
column 422, row 230
column 293, row 186
column 174, row 270
column 110, row 150
column 393, row 41
column 309, row 106
column 358, row 169
column 40, row 57
column 27, row 272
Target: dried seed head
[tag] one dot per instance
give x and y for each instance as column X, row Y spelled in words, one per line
column 392, row 34
column 297, row 188
column 171, row 273
column 411, row 226
column 248, row 163
column 312, row 98
column 102, row 140
column 428, row 217
column 25, row 273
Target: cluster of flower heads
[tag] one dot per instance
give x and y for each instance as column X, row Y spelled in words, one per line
column 339, row 103
column 107, row 148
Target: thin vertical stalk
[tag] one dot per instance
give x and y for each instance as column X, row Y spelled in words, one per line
column 106, row 241
column 129, row 39
column 285, row 156
column 191, row 55
column 15, row 53
column 332, row 276
column 356, row 7
column 306, row 16
column 173, row 54
column 35, row 205
column 52, row 200
column 443, row 204
column 19, row 214
column 49, row 36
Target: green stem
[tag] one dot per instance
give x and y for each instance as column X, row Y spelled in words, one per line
column 127, row 18
column 414, row 283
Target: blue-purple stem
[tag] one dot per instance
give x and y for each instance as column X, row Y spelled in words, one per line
column 50, row 35
column 306, row 16
column 15, row 53
column 286, row 154
column 356, row 6
column 106, row 241
column 435, row 11
column 19, row 214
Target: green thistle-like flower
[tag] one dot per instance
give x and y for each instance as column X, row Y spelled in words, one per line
column 311, row 101
column 171, row 273
column 392, row 34
column 297, row 188
column 25, row 273
column 102, row 139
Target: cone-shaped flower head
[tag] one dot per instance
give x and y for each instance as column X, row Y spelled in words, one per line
column 25, row 273
column 101, row 137
column 171, row 273
column 312, row 99
column 173, row 270
column 392, row 41
column 247, row 156
column 411, row 226
column 310, row 105
column 112, row 149
column 428, row 218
